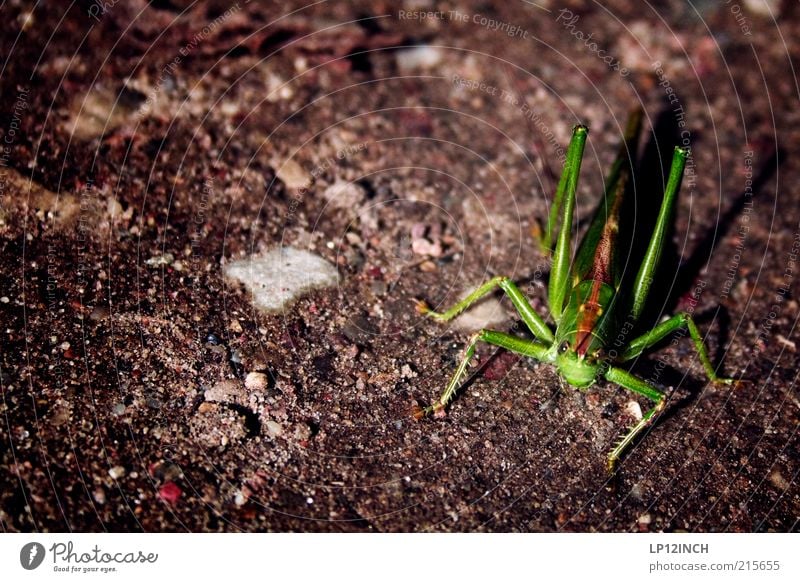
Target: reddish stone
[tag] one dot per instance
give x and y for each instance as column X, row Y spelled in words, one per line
column 170, row 492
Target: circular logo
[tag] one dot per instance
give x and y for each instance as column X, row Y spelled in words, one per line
column 31, row 555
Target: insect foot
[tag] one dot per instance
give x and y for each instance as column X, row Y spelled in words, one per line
column 628, row 438
column 418, row 412
column 421, row 306
column 739, row 384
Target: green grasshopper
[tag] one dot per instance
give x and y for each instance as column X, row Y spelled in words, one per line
column 587, row 299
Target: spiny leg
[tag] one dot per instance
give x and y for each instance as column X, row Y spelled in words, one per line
column 558, row 286
column 497, row 338
column 639, row 386
column 644, row 278
column 662, row 330
column 532, row 319
column 567, row 182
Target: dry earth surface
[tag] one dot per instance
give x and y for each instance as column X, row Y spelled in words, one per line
column 146, row 148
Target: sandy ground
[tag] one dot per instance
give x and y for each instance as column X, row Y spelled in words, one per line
column 146, row 148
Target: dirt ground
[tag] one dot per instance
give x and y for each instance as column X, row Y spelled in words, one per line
column 415, row 146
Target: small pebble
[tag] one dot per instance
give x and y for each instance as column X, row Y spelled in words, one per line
column 343, row 194
column 778, row 480
column 293, row 175
column 160, row 260
column 302, row 432
column 633, row 408
column 766, row 8
column 427, row 267
column 278, row 277
column 353, row 238
column 99, row 496
column 240, row 499
column 423, row 246
column 206, row 407
column 256, row 381
column 418, row 58
column 117, row 472
column 273, row 428
column 225, row 391
column 170, row 492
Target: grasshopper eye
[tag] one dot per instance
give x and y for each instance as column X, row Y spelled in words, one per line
column 563, row 347
column 598, row 356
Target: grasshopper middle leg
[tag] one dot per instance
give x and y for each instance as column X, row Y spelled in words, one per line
column 658, row 333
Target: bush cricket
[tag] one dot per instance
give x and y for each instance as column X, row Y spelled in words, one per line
column 589, row 299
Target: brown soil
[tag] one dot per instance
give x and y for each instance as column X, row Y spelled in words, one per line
column 147, row 146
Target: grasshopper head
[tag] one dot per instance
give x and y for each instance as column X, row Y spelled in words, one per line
column 578, row 371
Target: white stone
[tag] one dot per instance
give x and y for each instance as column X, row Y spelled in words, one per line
column 273, row 428
column 282, row 275
column 343, row 194
column 117, row 472
column 416, row 58
column 293, row 175
column 255, row 381
column 487, row 313
column 633, row 408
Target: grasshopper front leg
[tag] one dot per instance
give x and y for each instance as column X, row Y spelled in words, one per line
column 639, row 386
column 497, row 338
column 535, row 323
column 658, row 333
